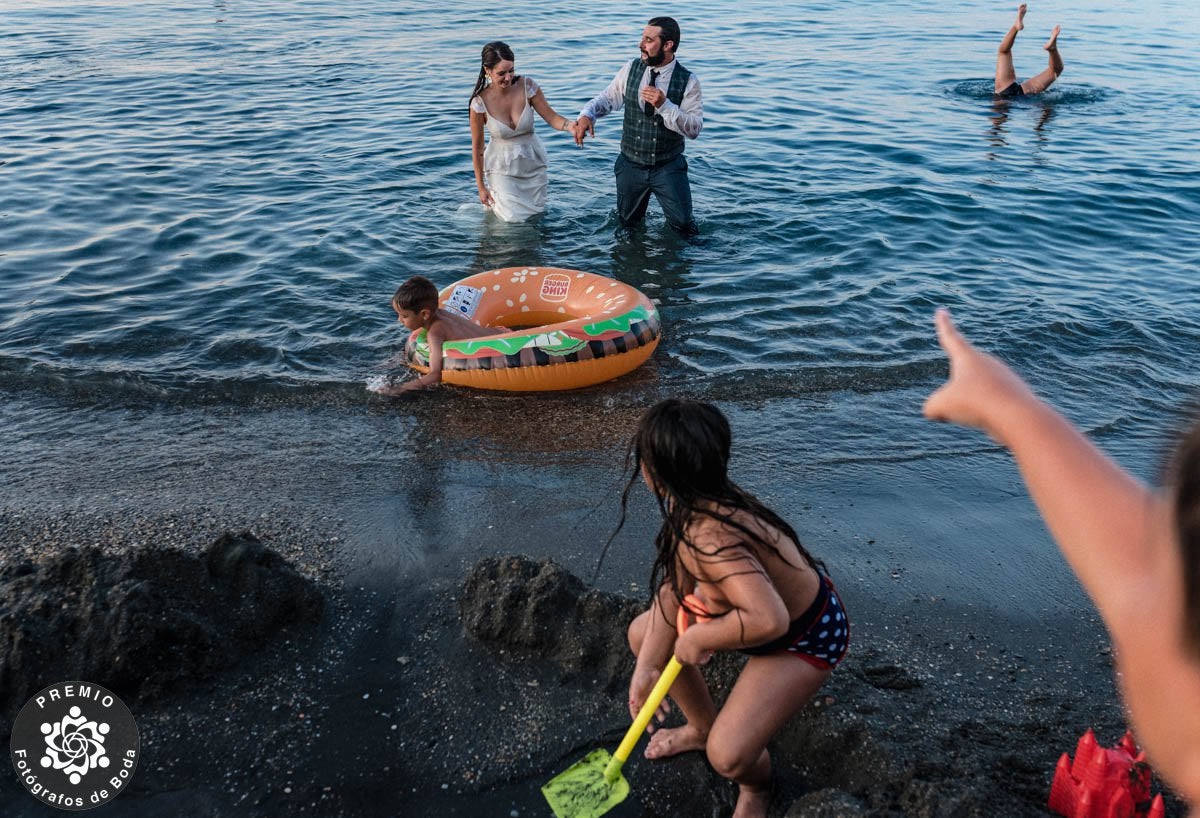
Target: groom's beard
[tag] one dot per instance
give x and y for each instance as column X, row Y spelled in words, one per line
column 657, row 59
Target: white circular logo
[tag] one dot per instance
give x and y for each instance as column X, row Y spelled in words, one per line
column 75, row 745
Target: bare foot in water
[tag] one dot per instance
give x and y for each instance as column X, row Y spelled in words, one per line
column 752, row 803
column 1052, row 43
column 1020, row 24
column 672, row 741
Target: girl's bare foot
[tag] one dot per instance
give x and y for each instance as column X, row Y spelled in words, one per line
column 665, row 743
column 1020, row 24
column 752, row 803
column 1052, row 43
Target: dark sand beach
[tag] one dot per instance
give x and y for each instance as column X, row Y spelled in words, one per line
column 206, row 210
column 975, row 661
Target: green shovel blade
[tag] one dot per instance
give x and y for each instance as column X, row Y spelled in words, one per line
column 582, row 790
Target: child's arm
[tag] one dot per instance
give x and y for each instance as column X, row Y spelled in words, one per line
column 1117, row 537
column 757, row 614
column 658, row 643
column 434, row 376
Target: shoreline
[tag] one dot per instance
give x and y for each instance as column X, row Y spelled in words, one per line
column 389, row 707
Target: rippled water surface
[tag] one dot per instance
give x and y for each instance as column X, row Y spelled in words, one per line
column 212, row 202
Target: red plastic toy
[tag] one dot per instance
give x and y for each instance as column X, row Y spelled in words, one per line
column 1104, row 782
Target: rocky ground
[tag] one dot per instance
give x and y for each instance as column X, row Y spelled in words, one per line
column 460, row 692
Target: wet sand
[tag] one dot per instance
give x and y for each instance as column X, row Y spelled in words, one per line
column 967, row 678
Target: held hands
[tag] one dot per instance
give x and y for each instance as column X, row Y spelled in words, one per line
column 980, row 388
column 583, row 127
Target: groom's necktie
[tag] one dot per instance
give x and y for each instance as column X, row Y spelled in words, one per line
column 652, row 84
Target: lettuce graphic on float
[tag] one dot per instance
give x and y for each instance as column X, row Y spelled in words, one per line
column 555, row 342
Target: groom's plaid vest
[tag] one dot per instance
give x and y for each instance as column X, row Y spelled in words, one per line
column 644, row 139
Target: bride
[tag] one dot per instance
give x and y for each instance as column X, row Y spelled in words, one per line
column 511, row 172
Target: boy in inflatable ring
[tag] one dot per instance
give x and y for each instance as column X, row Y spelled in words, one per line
column 416, row 306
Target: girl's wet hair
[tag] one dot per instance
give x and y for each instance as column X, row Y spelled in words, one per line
column 1184, row 479
column 493, row 53
column 684, row 448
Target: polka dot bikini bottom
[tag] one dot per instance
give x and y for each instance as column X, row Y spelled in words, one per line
column 820, row 635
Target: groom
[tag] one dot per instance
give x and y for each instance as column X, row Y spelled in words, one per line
column 662, row 106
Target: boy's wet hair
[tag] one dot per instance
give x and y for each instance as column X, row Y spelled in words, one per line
column 416, row 294
column 1185, row 480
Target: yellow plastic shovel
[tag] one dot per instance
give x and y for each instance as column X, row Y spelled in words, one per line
column 594, row 785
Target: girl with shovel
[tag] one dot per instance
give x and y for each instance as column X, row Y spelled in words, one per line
column 751, row 586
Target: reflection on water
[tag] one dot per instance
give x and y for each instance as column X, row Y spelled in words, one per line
column 505, row 244
column 655, row 262
column 1039, row 127
column 1002, row 109
column 480, row 425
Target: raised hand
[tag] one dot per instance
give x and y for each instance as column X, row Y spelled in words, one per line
column 980, row 388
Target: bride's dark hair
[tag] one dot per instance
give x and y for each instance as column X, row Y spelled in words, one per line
column 684, row 448
column 493, row 53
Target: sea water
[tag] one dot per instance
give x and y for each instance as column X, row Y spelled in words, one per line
column 209, row 205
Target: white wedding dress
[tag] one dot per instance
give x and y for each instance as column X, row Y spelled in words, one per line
column 514, row 163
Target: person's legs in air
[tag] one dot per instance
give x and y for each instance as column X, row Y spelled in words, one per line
column 1006, row 75
column 1035, row 85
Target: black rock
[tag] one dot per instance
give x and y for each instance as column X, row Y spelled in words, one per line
column 145, row 622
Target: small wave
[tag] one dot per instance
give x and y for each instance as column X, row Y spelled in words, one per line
column 470, row 213
column 377, row 383
column 767, row 383
column 130, row 389
column 1058, row 94
column 127, row 388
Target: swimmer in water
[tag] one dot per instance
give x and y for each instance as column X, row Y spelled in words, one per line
column 1007, row 86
